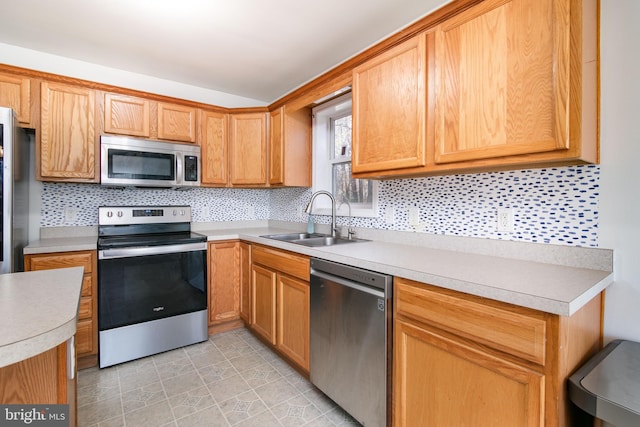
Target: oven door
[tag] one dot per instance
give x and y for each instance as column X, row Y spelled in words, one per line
column 141, row 284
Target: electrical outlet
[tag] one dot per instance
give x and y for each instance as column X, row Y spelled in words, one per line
column 505, row 219
column 70, row 214
column 390, row 215
column 414, row 216
column 251, row 212
column 206, row 212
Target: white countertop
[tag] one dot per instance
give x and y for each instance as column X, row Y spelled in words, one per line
column 61, row 244
column 549, row 278
column 38, row 311
column 551, row 288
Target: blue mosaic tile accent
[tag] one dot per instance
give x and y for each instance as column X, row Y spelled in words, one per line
column 552, row 205
column 208, row 204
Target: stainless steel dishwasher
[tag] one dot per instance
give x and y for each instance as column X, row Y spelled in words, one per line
column 350, row 340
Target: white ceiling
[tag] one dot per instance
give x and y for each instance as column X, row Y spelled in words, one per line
column 252, row 48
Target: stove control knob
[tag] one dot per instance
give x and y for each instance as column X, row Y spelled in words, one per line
column 120, row 214
column 175, row 212
column 109, row 214
column 182, row 212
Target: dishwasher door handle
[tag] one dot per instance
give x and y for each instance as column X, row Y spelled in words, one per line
column 347, row 283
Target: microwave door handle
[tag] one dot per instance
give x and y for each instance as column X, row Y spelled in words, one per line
column 179, row 172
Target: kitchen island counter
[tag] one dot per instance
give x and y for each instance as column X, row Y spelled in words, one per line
column 38, row 311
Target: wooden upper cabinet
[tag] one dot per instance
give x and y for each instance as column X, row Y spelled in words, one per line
column 389, row 109
column 248, row 149
column 176, row 122
column 15, row 92
column 515, row 83
column 67, row 146
column 290, row 147
column 127, row 115
column 214, row 144
column 276, row 147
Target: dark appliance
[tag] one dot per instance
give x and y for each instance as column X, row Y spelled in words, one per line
column 152, row 282
column 14, row 192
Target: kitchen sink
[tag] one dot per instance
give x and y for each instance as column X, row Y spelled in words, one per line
column 288, row 237
column 311, row 239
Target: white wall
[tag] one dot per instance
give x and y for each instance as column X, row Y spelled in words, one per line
column 34, row 60
column 620, row 163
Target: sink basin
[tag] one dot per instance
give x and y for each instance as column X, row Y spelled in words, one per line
column 288, row 237
column 313, row 240
column 325, row 241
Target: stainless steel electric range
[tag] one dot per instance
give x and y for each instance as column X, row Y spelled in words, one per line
column 152, row 282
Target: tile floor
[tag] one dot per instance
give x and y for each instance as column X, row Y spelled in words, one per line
column 230, row 380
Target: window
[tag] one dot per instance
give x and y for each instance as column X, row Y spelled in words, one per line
column 332, row 162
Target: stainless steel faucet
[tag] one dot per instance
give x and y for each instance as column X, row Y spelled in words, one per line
column 350, row 231
column 333, row 208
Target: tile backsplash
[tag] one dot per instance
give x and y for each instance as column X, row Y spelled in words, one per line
column 551, row 205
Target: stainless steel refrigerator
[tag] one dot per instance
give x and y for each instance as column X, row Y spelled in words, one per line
column 14, row 194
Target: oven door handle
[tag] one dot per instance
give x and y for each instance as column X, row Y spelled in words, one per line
column 150, row 250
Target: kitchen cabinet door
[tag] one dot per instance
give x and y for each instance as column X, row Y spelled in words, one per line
column 67, row 148
column 126, row 115
column 42, row 379
column 389, row 110
column 263, row 302
column 441, row 381
column 214, row 145
column 87, row 328
column 466, row 360
column 290, row 147
column 176, row 122
column 224, row 281
column 293, row 319
column 245, row 282
column 515, row 82
column 15, row 92
column 248, row 149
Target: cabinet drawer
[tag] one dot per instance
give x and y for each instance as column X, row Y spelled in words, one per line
column 285, row 262
column 85, row 308
column 84, row 336
column 48, row 262
column 516, row 331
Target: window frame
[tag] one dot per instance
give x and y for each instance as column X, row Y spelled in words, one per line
column 324, row 159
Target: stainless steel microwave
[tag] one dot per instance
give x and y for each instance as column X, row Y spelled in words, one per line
column 138, row 162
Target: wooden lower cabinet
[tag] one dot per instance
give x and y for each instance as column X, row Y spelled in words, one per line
column 245, row 282
column 292, row 315
column 41, row 379
column 444, row 382
column 465, row 360
column 280, row 302
column 224, row 281
column 87, row 327
column 263, row 312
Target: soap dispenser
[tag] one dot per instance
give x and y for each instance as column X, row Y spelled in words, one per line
column 310, row 225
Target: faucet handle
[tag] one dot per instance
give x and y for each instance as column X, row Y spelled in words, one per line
column 350, row 233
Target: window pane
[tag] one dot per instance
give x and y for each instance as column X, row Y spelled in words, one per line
column 356, row 191
column 342, row 137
